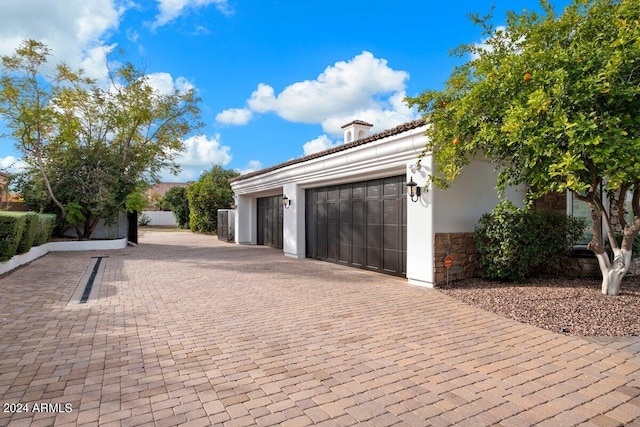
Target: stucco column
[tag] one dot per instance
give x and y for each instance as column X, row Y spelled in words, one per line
column 246, row 221
column 420, row 228
column 294, row 222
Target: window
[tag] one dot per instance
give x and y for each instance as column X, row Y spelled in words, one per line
column 580, row 209
column 628, row 209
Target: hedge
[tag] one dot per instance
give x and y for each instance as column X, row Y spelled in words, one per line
column 12, row 225
column 46, row 224
column 20, row 231
column 29, row 233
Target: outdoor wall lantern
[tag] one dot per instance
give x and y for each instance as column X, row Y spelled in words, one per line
column 413, row 190
column 286, row 202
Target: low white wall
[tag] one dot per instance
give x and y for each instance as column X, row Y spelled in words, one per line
column 160, row 218
column 81, row 245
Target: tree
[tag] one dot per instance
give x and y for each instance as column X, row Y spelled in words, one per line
column 91, row 147
column 554, row 101
column 176, row 199
column 210, row 193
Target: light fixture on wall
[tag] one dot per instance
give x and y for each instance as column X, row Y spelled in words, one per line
column 286, row 202
column 413, row 190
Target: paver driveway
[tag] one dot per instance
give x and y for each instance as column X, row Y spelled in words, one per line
column 184, row 329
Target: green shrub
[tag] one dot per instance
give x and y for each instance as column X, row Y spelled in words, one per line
column 210, row 193
column 12, row 226
column 144, row 220
column 512, row 242
column 29, row 233
column 175, row 199
column 46, row 224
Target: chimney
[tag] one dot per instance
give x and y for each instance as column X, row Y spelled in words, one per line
column 355, row 130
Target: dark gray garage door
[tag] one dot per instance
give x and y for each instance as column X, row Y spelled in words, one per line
column 270, row 221
column 361, row 224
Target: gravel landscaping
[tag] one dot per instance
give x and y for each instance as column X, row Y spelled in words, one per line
column 567, row 306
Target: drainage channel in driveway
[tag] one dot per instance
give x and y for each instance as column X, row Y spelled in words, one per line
column 88, row 285
column 92, row 278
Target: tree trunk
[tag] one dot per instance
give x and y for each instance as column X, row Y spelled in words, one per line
column 613, row 272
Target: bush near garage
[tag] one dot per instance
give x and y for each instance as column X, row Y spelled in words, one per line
column 513, row 242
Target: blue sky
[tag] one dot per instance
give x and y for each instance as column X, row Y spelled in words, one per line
column 277, row 78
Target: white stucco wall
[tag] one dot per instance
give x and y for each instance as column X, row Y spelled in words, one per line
column 420, row 270
column 294, row 232
column 458, row 208
column 161, row 218
column 246, row 219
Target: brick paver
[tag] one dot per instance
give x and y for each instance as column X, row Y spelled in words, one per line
column 186, row 330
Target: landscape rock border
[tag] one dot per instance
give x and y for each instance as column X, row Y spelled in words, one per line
column 563, row 305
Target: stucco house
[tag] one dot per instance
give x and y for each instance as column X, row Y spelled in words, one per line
column 352, row 205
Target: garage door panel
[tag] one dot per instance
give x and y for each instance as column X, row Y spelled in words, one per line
column 392, row 261
column 358, row 190
column 366, row 220
column 391, row 237
column 269, row 221
column 390, row 187
column 373, row 189
column 357, row 256
column 333, row 193
column 391, row 212
column 345, row 192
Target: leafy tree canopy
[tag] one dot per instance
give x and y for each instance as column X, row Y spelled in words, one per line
column 90, row 148
column 554, row 101
column 176, row 200
column 210, row 193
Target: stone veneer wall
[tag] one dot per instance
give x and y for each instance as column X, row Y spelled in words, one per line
column 581, row 263
column 556, row 202
column 462, row 249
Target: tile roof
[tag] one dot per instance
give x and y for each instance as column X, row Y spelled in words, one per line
column 375, row 137
column 356, row 122
column 161, row 188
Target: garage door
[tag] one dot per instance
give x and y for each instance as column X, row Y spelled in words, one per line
column 270, row 221
column 360, row 224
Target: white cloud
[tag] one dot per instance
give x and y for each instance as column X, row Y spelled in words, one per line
column 263, row 99
column 200, row 154
column 341, row 89
column 171, row 9
column 73, row 29
column 12, row 164
column 202, row 151
column 252, row 166
column 235, row 116
column 393, row 114
column 363, row 88
column 164, row 83
column 321, row 143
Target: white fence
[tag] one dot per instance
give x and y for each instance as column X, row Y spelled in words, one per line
column 160, row 218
